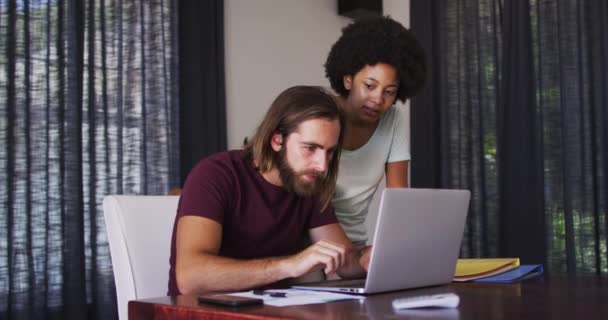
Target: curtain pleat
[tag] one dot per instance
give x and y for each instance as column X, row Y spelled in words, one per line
column 201, row 78
column 518, row 142
column 598, row 65
column 74, row 294
column 10, row 147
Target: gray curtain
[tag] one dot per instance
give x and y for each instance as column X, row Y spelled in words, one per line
column 88, row 107
column 517, row 112
column 201, row 81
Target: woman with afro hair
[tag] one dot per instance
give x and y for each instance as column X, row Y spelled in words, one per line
column 374, row 63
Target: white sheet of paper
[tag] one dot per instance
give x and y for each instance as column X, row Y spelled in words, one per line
column 294, row 297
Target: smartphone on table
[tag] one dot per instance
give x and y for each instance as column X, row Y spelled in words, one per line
column 228, row 300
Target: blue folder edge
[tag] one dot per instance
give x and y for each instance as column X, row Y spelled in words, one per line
column 525, row 271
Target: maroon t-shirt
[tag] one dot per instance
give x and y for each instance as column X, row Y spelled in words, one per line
column 258, row 218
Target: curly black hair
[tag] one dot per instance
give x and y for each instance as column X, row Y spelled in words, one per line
column 377, row 40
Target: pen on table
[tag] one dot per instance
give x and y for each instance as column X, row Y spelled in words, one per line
column 261, row 292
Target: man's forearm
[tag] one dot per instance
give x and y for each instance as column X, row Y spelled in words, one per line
column 209, row 273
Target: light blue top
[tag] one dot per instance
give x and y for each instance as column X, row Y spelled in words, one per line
column 362, row 170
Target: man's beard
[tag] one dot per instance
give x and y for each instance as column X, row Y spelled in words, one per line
column 291, row 179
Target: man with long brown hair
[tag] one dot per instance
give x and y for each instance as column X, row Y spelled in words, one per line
column 243, row 213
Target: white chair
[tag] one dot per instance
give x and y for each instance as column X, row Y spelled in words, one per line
column 139, row 233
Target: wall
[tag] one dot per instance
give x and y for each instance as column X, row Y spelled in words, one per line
column 271, row 45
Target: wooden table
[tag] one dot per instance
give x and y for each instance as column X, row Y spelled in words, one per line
column 556, row 297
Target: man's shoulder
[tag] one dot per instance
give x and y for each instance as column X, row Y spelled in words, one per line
column 224, row 158
column 225, row 161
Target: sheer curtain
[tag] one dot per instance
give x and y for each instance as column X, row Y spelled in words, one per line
column 516, row 111
column 88, row 107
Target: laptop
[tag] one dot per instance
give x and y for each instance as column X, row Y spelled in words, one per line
column 416, row 243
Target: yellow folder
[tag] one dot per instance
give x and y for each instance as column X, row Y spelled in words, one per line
column 470, row 269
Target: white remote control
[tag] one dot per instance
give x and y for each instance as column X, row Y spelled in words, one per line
column 444, row 300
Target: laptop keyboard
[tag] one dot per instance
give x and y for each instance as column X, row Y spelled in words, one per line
column 349, row 283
